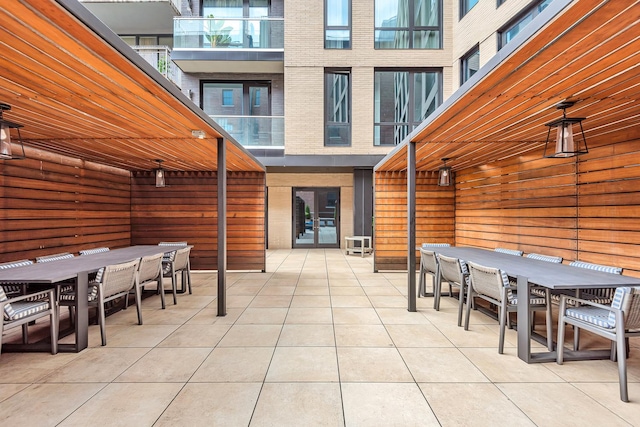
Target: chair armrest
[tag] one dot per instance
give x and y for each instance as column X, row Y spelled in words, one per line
column 586, row 302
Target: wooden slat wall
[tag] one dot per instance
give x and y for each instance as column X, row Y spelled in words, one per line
column 52, row 204
column 186, row 210
column 434, row 216
column 585, row 208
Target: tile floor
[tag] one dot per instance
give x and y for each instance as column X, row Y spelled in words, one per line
column 318, row 340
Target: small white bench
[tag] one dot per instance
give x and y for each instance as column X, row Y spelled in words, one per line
column 365, row 245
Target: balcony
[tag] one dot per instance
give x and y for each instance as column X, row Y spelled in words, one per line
column 235, row 45
column 160, row 58
column 135, row 16
column 255, row 132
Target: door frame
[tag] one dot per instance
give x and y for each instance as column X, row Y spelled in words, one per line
column 315, row 219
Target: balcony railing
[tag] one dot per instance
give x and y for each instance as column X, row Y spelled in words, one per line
column 160, row 58
column 242, row 33
column 254, row 131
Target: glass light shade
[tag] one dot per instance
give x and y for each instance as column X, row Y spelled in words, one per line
column 444, row 176
column 5, row 142
column 565, row 146
column 160, row 182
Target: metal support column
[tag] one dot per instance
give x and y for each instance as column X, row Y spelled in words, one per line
column 222, row 228
column 411, row 224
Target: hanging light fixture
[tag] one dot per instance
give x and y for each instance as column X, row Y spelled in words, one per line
column 444, row 174
column 567, row 144
column 160, row 174
column 6, row 149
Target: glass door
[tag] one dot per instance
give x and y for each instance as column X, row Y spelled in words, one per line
column 316, row 217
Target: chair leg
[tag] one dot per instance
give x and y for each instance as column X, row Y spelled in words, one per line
column 460, row 304
column 503, row 321
column 421, row 283
column 622, row 364
column 138, row 303
column 25, row 333
column 53, row 318
column 174, row 286
column 469, row 304
column 576, row 338
column 189, row 275
column 161, row 290
column 561, row 326
column 102, row 322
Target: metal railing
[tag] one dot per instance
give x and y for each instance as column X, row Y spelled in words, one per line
column 160, row 58
column 239, row 33
column 254, row 131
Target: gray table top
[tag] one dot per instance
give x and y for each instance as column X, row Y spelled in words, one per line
column 542, row 273
column 57, row 271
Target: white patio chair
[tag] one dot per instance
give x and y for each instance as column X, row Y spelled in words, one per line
column 93, row 251
column 455, row 272
column 20, row 311
column 116, row 281
column 492, row 285
column 179, row 264
column 428, row 265
column 15, row 289
column 616, row 322
column 149, row 272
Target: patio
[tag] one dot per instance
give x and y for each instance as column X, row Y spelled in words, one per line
column 316, row 340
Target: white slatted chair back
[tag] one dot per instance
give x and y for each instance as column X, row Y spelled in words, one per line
column 509, row 251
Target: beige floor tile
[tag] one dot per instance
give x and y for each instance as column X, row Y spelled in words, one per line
column 299, row 404
column 313, row 282
column 126, row 398
column 508, row 367
column 608, row 395
column 476, row 336
column 362, row 336
column 441, row 365
column 542, row 402
column 170, row 316
column 26, row 368
column 189, row 301
column 244, row 290
column 141, row 335
column 236, row 301
column 165, row 365
column 401, row 316
column 55, row 402
column 277, row 290
column 311, row 290
column 210, row 404
column 251, row 336
column 472, row 404
column 209, row 316
column 388, row 404
column 303, row 364
column 386, row 301
column 417, row 336
column 97, row 365
column 235, row 364
column 309, row 316
column 347, row 291
column 373, row 280
column 343, row 281
column 8, row 390
column 350, row 301
column 355, row 316
column 263, row 316
column 271, row 301
column 372, row 365
column 301, row 301
column 590, row 371
column 307, row 335
column 381, row 290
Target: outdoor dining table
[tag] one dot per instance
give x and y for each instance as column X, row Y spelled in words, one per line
column 531, row 272
column 58, row 273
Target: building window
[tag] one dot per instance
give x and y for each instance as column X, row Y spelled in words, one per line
column 408, row 24
column 403, row 99
column 227, row 97
column 337, row 24
column 521, row 21
column 337, row 89
column 469, row 64
column 466, row 6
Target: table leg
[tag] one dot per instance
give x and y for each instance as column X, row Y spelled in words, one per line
column 82, row 312
column 524, row 328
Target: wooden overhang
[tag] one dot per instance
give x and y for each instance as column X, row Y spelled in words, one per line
column 80, row 91
column 587, row 51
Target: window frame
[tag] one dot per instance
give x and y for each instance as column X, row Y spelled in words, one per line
column 531, row 9
column 413, row 123
column 411, row 28
column 327, row 96
column 348, row 28
column 464, row 63
column 464, row 7
column 246, row 102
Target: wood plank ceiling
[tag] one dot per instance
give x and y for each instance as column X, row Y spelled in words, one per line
column 79, row 96
column 590, row 53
